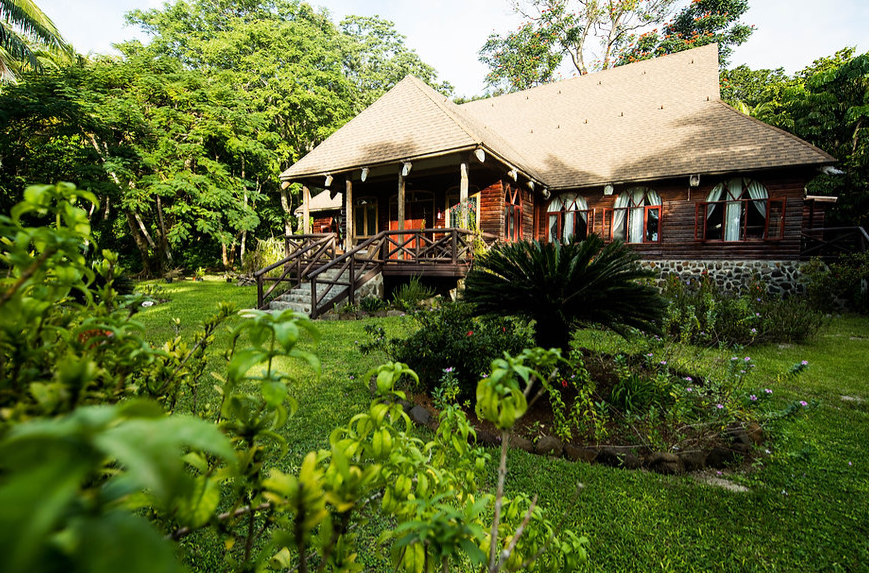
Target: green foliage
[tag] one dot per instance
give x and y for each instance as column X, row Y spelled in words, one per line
column 372, row 304
column 409, row 295
column 267, row 252
column 841, row 282
column 699, row 314
column 24, row 31
column 85, row 461
column 450, row 337
column 561, row 286
column 521, row 59
column 699, row 23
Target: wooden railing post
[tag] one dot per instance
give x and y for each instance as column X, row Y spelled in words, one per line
column 314, row 298
column 454, row 239
column 351, row 289
column 259, row 291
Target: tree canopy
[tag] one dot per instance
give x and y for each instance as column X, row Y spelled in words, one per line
column 182, row 138
column 599, row 34
column 25, row 31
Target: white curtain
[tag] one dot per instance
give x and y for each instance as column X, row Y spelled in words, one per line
column 639, row 198
column 622, row 201
column 714, row 195
column 567, row 205
column 733, row 211
column 757, row 191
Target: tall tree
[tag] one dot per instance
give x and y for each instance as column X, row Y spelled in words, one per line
column 700, row 23
column 24, row 30
column 590, row 33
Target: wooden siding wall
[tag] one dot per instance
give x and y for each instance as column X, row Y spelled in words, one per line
column 678, row 218
column 492, row 209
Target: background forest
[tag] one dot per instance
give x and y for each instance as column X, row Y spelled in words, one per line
column 182, row 138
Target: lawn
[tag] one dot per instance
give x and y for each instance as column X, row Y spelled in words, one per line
column 807, row 504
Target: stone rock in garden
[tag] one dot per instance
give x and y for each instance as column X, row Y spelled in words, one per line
column 609, row 457
column 407, row 405
column 380, row 313
column 574, row 453
column 347, row 316
column 631, row 461
column 737, row 434
column 420, row 415
column 720, row 457
column 485, row 438
column 329, row 316
column 521, row 443
column 693, row 461
column 755, row 433
column 394, row 313
column 549, row 446
column 665, row 463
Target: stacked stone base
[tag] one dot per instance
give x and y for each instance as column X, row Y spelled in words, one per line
column 735, row 276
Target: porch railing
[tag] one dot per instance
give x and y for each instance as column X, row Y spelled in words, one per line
column 416, row 250
column 830, row 242
column 304, row 253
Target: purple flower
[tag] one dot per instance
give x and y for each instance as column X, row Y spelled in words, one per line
column 805, row 362
column 767, row 390
column 352, row 377
column 754, row 331
column 803, row 403
column 663, row 362
column 748, row 358
column 649, row 355
column 688, row 379
column 849, row 463
column 742, row 371
column 720, row 406
column 448, row 370
column 690, row 389
column 753, row 398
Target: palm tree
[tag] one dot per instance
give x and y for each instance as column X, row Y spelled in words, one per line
column 24, row 29
column 562, row 286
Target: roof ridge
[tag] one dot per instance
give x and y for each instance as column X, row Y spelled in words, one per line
column 790, row 135
column 475, row 129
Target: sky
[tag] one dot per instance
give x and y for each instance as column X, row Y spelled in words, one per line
column 447, row 34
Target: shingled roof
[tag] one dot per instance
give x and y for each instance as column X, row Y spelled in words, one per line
column 650, row 120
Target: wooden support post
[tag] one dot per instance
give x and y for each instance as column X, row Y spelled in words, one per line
column 463, row 194
column 348, row 214
column 400, row 205
column 306, row 210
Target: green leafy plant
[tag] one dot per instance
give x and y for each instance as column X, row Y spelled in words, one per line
column 450, row 336
column 563, row 286
column 843, row 282
column 372, row 304
column 408, row 295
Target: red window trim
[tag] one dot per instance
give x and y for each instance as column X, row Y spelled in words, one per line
column 609, row 212
column 701, row 219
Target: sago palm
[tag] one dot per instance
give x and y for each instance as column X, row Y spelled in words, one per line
column 25, row 29
column 562, row 286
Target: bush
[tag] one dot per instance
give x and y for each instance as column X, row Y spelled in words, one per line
column 842, row 283
column 410, row 294
column 267, row 252
column 372, row 304
column 450, row 337
column 698, row 313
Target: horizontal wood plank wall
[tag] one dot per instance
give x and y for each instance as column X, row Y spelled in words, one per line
column 492, row 209
column 527, row 214
column 678, row 215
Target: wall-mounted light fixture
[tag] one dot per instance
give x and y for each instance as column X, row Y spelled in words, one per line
column 328, row 180
column 531, row 185
column 608, row 189
column 405, row 168
column 513, row 173
column 480, row 155
column 546, row 193
column 285, row 184
column 364, row 175
column 694, row 180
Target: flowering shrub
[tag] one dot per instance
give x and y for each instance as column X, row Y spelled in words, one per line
column 843, row 282
column 698, row 313
column 450, row 337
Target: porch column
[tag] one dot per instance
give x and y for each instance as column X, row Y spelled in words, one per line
column 306, row 210
column 400, row 203
column 463, row 193
column 348, row 219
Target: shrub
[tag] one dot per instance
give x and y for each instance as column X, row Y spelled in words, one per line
column 698, row 313
column 844, row 282
column 372, row 304
column 408, row 295
column 450, row 337
column 562, row 286
column 267, row 252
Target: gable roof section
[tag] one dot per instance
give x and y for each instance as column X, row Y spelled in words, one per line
column 649, row 120
column 410, row 121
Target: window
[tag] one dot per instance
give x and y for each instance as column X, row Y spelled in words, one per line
column 636, row 217
column 365, row 217
column 512, row 214
column 455, row 211
column 568, row 216
column 739, row 209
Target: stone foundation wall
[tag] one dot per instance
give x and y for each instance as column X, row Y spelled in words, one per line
column 781, row 277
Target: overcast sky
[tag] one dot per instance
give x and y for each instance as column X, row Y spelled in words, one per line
column 447, row 34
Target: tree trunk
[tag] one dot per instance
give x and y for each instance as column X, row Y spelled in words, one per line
column 141, row 244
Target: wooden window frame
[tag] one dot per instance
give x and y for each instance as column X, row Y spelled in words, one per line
column 701, row 219
column 589, row 225
column 609, row 213
column 512, row 214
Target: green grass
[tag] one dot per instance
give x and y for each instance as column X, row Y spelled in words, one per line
column 807, row 508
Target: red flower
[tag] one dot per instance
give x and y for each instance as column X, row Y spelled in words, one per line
column 470, row 332
column 564, row 383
